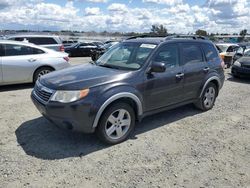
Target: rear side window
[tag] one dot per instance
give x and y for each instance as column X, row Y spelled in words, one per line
column 168, row 54
column 41, row 40
column 191, row 54
column 1, row 50
column 17, row 50
column 210, row 52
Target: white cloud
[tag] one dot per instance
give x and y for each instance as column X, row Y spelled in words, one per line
column 168, row 2
column 117, row 7
column 92, row 11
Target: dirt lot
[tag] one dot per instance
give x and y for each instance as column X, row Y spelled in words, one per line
column 177, row 148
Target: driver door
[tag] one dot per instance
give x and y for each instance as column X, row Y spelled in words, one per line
column 166, row 88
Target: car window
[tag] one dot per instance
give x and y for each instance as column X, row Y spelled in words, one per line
column 232, row 48
column 167, row 54
column 41, row 40
column 240, row 50
column 191, row 54
column 127, row 56
column 1, row 50
column 210, row 52
column 17, row 50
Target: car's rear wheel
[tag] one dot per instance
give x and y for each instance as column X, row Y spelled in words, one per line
column 208, row 97
column 40, row 72
column 116, row 123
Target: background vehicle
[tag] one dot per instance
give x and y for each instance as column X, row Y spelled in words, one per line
column 47, row 41
column 97, row 53
column 24, row 62
column 82, row 49
column 241, row 67
column 227, row 52
column 135, row 78
column 243, row 48
column 67, row 43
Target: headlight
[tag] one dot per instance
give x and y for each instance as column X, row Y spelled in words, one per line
column 237, row 63
column 69, row 96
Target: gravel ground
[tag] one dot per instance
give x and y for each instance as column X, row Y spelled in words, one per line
column 177, row 148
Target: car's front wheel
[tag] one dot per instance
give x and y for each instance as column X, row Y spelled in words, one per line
column 208, row 97
column 116, row 123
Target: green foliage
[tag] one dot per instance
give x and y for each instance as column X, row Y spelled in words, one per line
column 201, row 32
column 159, row 30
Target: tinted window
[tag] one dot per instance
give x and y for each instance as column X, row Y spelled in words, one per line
column 41, row 40
column 1, row 50
column 210, row 52
column 232, row 48
column 18, row 39
column 167, row 54
column 13, row 50
column 191, row 53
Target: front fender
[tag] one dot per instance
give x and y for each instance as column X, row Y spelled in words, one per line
column 113, row 93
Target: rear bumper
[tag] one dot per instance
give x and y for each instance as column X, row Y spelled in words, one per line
column 74, row 116
column 240, row 71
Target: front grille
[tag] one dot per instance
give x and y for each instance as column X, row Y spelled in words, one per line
column 42, row 93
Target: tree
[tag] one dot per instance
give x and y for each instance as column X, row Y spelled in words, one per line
column 201, row 32
column 243, row 33
column 159, row 30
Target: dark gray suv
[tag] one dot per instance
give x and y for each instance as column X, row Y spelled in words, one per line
column 134, row 79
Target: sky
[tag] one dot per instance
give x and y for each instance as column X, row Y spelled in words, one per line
column 178, row 16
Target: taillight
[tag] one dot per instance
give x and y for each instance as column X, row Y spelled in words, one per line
column 62, row 48
column 66, row 59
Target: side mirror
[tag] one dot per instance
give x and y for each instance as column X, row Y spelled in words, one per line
column 157, row 67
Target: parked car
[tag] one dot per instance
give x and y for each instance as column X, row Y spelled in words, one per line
column 227, row 52
column 67, row 43
column 241, row 67
column 82, row 49
column 244, row 47
column 24, row 62
column 47, row 41
column 134, row 79
column 98, row 53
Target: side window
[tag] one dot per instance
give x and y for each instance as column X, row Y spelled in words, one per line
column 191, row 54
column 17, row 50
column 1, row 50
column 168, row 54
column 247, row 53
column 41, row 40
column 210, row 52
column 232, row 48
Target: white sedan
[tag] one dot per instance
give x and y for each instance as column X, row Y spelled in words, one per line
column 22, row 62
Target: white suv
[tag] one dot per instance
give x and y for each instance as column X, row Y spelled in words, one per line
column 51, row 42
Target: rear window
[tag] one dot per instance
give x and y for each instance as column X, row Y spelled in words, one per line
column 41, row 40
column 191, row 54
column 1, row 50
column 210, row 52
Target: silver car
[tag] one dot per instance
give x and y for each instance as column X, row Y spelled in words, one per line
column 48, row 41
column 22, row 62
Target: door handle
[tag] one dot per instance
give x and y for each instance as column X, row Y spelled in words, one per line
column 206, row 69
column 31, row 60
column 179, row 75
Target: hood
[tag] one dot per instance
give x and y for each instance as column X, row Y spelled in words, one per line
column 244, row 60
column 82, row 77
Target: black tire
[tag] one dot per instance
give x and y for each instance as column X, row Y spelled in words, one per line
column 104, row 124
column 202, row 103
column 39, row 71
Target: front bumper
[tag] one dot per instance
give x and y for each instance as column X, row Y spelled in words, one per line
column 76, row 116
column 240, row 71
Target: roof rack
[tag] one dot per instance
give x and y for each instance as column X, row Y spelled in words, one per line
column 195, row 37
column 146, row 36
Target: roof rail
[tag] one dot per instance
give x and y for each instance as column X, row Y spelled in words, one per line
column 145, row 36
column 195, row 37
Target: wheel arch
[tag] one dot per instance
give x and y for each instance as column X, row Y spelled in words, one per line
column 213, row 79
column 126, row 97
column 40, row 67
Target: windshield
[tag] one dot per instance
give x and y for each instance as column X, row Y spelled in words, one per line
column 223, row 48
column 126, row 56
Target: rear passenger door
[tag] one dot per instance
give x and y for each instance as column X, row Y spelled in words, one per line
column 195, row 69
